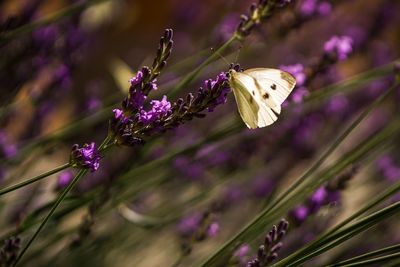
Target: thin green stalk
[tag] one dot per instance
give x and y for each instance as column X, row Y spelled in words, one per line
column 34, row 179
column 260, row 219
column 375, row 260
column 366, row 256
column 316, row 243
column 80, row 174
column 68, row 11
column 332, row 147
column 53, row 209
column 348, row 232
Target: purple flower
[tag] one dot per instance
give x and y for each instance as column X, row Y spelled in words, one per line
column 388, row 168
column 219, row 86
column 86, row 157
column 158, row 110
column 311, row 7
column 137, row 80
column 213, row 229
column 299, row 94
column 241, row 253
column 7, row 149
column 337, row 105
column 300, row 214
column 64, row 179
column 188, row 225
column 297, row 70
column 340, row 46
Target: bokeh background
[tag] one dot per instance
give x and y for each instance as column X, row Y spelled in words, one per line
column 189, row 190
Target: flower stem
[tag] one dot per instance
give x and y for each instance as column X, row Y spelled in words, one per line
column 34, row 179
column 53, row 209
column 80, row 174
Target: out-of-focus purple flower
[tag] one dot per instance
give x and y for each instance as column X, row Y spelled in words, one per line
column 262, row 186
column 299, row 214
column 297, row 70
column 299, row 94
column 86, row 157
column 190, row 169
column 7, row 149
column 337, row 105
column 339, row 46
column 46, row 36
column 213, row 229
column 189, row 224
column 63, row 76
column 311, row 7
column 93, row 104
column 387, row 166
column 242, row 253
column 324, row 8
column 64, row 179
column 227, row 27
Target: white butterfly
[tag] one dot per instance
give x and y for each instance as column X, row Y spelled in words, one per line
column 259, row 94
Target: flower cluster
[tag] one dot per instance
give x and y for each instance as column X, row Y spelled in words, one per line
column 338, row 47
column 272, row 244
column 196, row 228
column 86, row 157
column 315, row 7
column 258, row 13
column 133, row 123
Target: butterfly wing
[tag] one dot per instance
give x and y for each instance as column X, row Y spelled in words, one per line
column 254, row 112
column 274, row 85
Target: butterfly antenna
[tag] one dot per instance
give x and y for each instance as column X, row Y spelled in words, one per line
column 222, row 57
column 238, row 52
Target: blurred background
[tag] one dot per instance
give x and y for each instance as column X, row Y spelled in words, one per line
column 185, row 192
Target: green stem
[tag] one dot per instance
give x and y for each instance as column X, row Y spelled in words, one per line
column 53, row 209
column 349, row 232
column 68, row 11
column 332, row 148
column 329, row 235
column 34, row 179
column 366, row 256
column 375, row 260
column 80, row 174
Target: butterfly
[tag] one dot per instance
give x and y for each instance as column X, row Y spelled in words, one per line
column 259, row 93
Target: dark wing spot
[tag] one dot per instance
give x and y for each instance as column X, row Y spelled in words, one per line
column 253, row 92
column 266, row 95
column 273, row 86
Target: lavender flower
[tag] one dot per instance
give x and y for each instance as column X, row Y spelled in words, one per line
column 158, row 110
column 339, row 47
column 272, row 244
column 86, row 157
column 258, row 13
